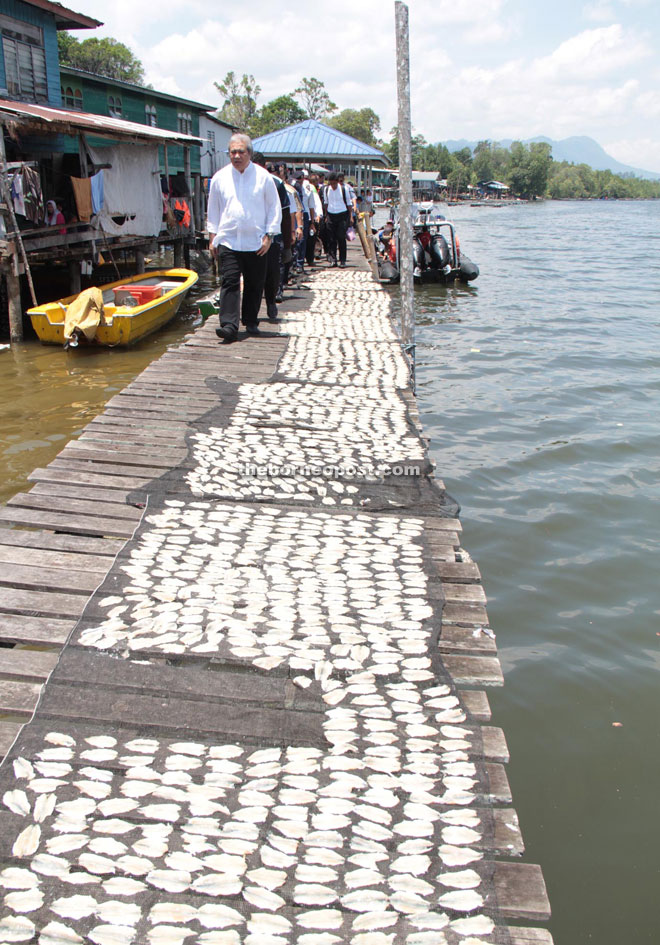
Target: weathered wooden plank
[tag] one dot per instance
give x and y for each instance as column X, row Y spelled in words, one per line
column 67, row 522
column 498, row 783
column 106, row 453
column 507, row 838
column 436, row 526
column 39, row 631
column 494, row 744
column 76, row 544
column 473, row 615
column 31, row 665
column 476, row 704
column 133, row 437
column 78, row 491
column 49, row 579
column 457, row 571
column 78, row 464
column 64, row 475
column 464, row 593
column 167, row 427
column 169, row 713
column 46, row 603
column 8, row 733
column 55, row 503
column 519, row 935
column 18, row 698
column 521, row 892
column 473, row 670
column 456, row 639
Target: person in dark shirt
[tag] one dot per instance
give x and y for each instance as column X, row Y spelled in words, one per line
column 279, row 244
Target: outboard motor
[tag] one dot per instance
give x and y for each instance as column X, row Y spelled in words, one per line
column 388, row 271
column 440, row 255
column 419, row 261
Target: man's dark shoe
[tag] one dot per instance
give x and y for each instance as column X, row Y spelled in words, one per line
column 226, row 332
column 279, row 297
column 271, row 309
column 252, row 330
column 342, row 265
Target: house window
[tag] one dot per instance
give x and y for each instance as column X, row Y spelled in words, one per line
column 150, row 116
column 211, row 139
column 72, row 98
column 25, row 60
column 114, row 106
column 184, row 123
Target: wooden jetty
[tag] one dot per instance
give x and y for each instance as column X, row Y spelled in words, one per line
column 251, row 652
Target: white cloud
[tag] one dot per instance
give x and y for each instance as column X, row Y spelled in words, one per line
column 643, row 153
column 599, row 12
column 592, row 54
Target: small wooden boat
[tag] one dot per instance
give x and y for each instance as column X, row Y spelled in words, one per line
column 132, row 309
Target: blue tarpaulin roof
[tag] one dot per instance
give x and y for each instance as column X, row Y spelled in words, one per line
column 310, row 140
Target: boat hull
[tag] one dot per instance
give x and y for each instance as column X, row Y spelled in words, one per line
column 124, row 325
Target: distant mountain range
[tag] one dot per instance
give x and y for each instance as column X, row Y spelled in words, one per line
column 576, row 150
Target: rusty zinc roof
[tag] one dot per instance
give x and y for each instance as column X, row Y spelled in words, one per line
column 39, row 118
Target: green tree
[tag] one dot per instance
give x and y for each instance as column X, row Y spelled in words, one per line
column 279, row 113
column 391, row 149
column 240, row 101
column 529, row 168
column 360, row 123
column 315, row 100
column 101, row 56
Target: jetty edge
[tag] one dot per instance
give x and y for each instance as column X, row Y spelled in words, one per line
column 259, row 706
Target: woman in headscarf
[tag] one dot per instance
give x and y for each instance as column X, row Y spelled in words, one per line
column 54, row 215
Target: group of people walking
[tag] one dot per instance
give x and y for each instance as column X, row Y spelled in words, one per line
column 264, row 224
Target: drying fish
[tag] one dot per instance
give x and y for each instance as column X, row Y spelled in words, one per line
column 25, row 900
column 461, row 901
column 27, row 842
column 168, row 935
column 263, row 898
column 57, row 934
column 112, row 934
column 215, row 916
column 17, row 802
column 123, row 886
column 16, row 929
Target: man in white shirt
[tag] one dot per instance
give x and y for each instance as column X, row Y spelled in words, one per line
column 243, row 216
column 339, row 217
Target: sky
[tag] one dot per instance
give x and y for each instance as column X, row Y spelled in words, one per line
column 479, row 69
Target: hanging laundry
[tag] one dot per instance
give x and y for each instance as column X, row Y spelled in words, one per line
column 17, row 194
column 32, row 194
column 182, row 213
column 97, row 192
column 82, row 191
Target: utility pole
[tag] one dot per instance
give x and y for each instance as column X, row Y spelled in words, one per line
column 405, row 185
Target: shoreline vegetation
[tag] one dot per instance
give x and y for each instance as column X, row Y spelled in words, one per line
column 528, row 170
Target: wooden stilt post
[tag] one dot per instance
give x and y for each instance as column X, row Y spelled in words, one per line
column 139, row 260
column 75, row 282
column 18, row 253
column 14, row 303
column 405, row 185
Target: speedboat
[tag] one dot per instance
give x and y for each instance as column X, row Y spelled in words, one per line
column 437, row 255
column 119, row 313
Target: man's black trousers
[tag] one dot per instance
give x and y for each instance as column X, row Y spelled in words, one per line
column 253, row 269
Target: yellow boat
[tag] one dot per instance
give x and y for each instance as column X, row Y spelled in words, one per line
column 132, row 308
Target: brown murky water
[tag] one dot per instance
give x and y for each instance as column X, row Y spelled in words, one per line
column 48, row 395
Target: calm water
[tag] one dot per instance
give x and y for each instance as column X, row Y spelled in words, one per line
column 47, row 395
column 540, row 388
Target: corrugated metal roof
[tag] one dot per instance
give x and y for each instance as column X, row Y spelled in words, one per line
column 65, row 19
column 311, row 140
column 62, row 120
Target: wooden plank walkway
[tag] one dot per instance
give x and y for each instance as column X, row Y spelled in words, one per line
column 264, row 653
